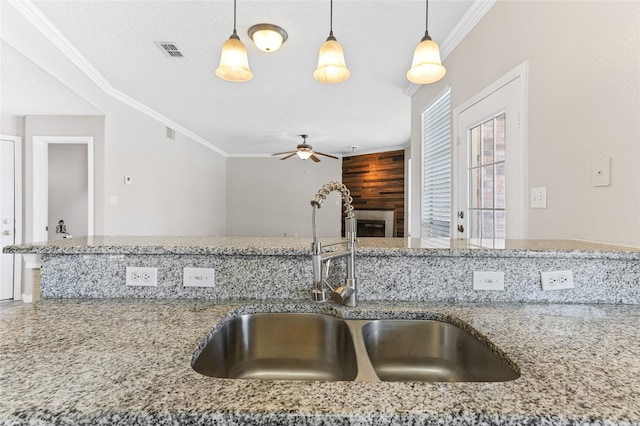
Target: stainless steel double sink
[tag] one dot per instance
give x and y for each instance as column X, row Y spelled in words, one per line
column 310, row 346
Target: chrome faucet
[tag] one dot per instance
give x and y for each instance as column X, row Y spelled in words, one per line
column 345, row 294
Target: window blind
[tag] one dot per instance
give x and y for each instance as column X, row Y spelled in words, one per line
column 436, row 165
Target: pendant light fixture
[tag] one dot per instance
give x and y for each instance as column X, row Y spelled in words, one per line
column 234, row 64
column 426, row 66
column 267, row 37
column 331, row 66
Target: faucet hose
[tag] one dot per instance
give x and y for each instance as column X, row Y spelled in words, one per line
column 330, row 187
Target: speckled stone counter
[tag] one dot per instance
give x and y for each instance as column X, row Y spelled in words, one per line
column 386, row 269
column 127, row 361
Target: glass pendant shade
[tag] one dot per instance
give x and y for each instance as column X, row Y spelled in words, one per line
column 331, row 66
column 234, row 64
column 426, row 66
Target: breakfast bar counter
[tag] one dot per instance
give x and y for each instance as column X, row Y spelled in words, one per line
column 387, row 269
column 128, row 361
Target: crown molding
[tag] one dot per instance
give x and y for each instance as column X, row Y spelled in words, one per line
column 470, row 19
column 32, row 14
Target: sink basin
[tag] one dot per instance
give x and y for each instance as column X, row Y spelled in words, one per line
column 283, row 346
column 431, row 351
column 307, row 346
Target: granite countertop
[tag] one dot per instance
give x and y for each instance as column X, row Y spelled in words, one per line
column 118, row 361
column 296, row 246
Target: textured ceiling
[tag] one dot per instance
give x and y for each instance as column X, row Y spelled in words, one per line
column 370, row 110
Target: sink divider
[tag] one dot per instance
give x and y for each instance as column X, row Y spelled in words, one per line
column 366, row 372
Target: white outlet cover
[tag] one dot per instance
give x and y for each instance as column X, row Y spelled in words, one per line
column 488, row 280
column 146, row 277
column 556, row 280
column 199, row 277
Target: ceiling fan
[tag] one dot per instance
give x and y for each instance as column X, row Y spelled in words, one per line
column 304, row 151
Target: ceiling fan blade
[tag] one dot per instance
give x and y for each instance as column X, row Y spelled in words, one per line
column 286, row 152
column 288, row 156
column 314, row 158
column 326, row 155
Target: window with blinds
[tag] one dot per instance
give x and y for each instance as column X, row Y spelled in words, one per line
column 436, row 169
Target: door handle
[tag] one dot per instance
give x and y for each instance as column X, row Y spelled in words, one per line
column 6, row 233
column 460, row 228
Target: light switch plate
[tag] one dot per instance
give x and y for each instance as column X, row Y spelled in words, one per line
column 539, row 197
column 488, row 280
column 199, row 277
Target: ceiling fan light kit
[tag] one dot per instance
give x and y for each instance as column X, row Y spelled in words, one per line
column 304, row 151
column 426, row 66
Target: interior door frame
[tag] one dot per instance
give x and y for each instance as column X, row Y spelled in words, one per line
column 17, row 226
column 521, row 72
column 41, row 180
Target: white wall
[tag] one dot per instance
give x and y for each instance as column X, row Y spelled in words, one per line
column 11, row 125
column 271, row 197
column 584, row 102
column 179, row 187
column 68, row 191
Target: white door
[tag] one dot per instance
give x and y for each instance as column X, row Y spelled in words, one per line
column 490, row 168
column 7, row 217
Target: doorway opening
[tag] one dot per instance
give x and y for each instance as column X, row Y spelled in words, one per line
column 67, row 186
column 10, row 216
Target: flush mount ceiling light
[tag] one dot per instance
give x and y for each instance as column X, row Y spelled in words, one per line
column 234, row 64
column 426, row 66
column 267, row 37
column 331, row 66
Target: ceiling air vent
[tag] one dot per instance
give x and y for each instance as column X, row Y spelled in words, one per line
column 169, row 48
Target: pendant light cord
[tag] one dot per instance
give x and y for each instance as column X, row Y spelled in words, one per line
column 331, row 37
column 234, row 17
column 331, row 20
column 426, row 23
column 426, row 18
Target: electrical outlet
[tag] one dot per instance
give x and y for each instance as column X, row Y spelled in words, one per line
column 556, row 280
column 199, row 277
column 147, row 277
column 483, row 280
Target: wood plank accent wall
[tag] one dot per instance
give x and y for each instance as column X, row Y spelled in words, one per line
column 376, row 182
